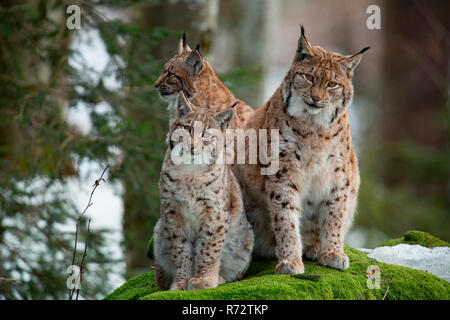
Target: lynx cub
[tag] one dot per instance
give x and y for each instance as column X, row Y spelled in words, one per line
column 307, row 207
column 202, row 238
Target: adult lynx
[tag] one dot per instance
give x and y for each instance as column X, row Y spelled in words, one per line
column 308, row 205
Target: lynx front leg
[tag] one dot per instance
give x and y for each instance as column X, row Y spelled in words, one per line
column 180, row 248
column 284, row 207
column 207, row 258
column 332, row 232
column 182, row 262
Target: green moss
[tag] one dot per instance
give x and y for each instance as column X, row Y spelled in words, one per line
column 417, row 237
column 261, row 283
column 135, row 288
column 149, row 249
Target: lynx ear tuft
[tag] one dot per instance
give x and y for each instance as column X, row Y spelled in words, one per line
column 352, row 62
column 183, row 46
column 183, row 105
column 303, row 47
column 364, row 49
column 223, row 118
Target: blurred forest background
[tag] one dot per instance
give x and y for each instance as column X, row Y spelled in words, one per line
column 73, row 101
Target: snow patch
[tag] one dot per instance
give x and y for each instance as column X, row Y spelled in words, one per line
column 434, row 260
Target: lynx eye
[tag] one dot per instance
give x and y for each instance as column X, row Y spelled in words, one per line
column 308, row 77
column 332, row 84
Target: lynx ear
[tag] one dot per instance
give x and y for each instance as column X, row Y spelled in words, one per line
column 183, row 105
column 303, row 46
column 183, row 46
column 352, row 62
column 194, row 62
column 223, row 118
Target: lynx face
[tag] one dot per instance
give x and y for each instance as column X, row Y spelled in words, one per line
column 179, row 73
column 197, row 138
column 321, row 86
column 171, row 81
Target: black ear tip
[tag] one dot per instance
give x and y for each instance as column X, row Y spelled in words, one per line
column 302, row 29
column 184, row 38
column 364, row 50
column 198, row 47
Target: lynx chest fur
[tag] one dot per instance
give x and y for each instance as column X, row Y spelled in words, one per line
column 192, row 192
column 319, row 162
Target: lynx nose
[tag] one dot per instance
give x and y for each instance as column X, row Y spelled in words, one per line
column 315, row 98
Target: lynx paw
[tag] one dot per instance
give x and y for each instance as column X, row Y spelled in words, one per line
column 311, row 252
column 201, row 283
column 334, row 259
column 289, row 267
column 180, row 285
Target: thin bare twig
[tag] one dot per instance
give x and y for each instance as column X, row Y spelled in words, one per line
column 95, row 185
column 90, row 203
column 385, row 294
column 84, row 256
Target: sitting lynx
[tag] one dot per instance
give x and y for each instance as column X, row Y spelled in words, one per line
column 190, row 73
column 308, row 205
column 202, row 238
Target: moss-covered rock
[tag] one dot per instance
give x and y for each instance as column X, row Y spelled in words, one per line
column 417, row 237
column 260, row 282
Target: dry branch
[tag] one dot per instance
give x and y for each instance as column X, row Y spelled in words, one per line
column 90, row 203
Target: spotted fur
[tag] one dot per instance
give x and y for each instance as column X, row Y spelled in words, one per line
column 202, row 238
column 307, row 207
